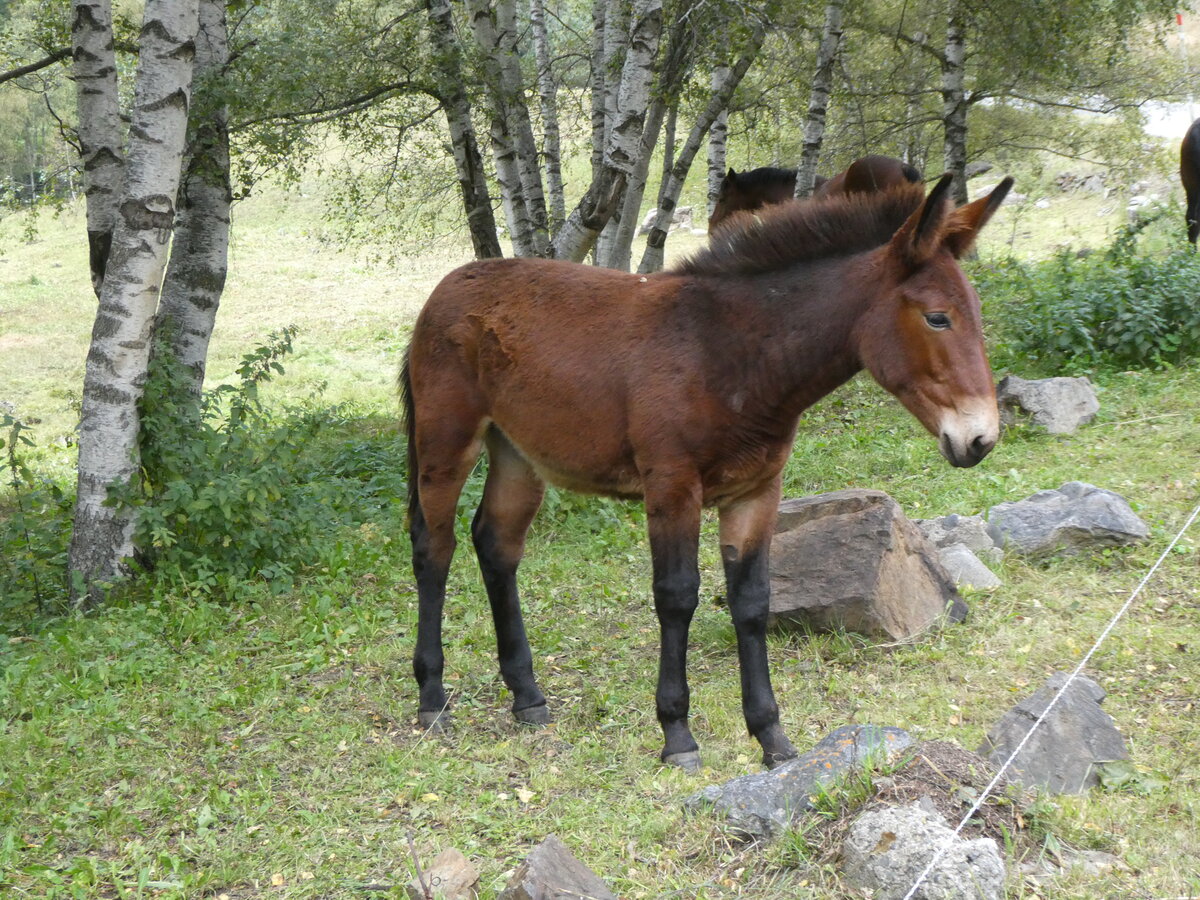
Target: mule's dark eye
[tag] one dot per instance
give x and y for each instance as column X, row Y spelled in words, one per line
column 938, row 321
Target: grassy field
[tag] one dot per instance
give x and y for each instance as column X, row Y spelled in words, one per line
column 183, row 743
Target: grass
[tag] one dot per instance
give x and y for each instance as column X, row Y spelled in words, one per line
column 178, row 745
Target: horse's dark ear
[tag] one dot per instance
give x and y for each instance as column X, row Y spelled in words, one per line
column 921, row 236
column 966, row 221
column 732, row 174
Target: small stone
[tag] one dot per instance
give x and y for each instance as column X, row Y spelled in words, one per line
column 450, row 877
column 1075, row 518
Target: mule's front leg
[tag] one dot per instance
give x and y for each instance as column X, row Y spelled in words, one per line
column 674, row 521
column 746, row 528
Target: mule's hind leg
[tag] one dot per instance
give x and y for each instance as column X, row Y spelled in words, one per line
column 446, row 453
column 511, row 498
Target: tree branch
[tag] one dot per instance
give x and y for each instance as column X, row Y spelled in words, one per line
column 57, row 56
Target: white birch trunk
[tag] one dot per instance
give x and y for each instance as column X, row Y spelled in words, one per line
column 596, row 85
column 199, row 261
column 617, row 37
column 818, row 101
column 548, row 95
column 512, row 133
column 100, row 143
column 102, row 538
column 603, row 197
column 954, row 104
column 652, row 258
column 718, row 140
column 464, row 145
column 621, row 251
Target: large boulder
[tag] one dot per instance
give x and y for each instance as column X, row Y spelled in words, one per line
column 887, row 850
column 1074, row 738
column 1059, row 405
column 1075, row 518
column 852, row 560
column 764, row 804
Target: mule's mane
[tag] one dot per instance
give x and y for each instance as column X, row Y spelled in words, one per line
column 764, row 177
column 775, row 237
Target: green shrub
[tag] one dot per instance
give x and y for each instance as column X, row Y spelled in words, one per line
column 233, row 489
column 1119, row 309
column 35, row 520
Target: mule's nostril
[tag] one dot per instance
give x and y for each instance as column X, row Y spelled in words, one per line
column 981, row 446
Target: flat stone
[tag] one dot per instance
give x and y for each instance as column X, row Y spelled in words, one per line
column 980, row 537
column 764, row 804
column 1063, row 754
column 1075, row 518
column 966, row 568
column 550, row 872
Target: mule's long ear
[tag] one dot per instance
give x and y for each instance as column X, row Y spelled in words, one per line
column 921, row 236
column 966, row 221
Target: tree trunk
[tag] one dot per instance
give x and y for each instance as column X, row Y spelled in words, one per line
column 548, row 94
column 718, row 139
column 199, row 260
column 102, row 537
column 818, row 100
column 100, row 150
column 624, row 141
column 468, row 161
column 668, row 197
column 954, row 104
column 617, row 37
column 512, row 132
column 596, row 85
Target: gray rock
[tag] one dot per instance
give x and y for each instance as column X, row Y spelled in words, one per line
column 764, row 804
column 976, row 168
column 851, row 560
column 1063, row 753
column 681, row 218
column 1059, row 405
column 449, row 877
column 981, row 538
column 886, row 850
column 1075, row 518
column 550, row 872
column 966, row 568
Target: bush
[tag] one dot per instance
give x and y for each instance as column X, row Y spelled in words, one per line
column 1119, row 309
column 232, row 489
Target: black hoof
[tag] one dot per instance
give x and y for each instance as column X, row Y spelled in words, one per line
column 688, row 761
column 537, row 716
column 437, row 721
column 775, row 760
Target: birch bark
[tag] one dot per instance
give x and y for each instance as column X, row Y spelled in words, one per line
column 199, row 261
column 512, row 132
column 102, row 537
column 468, row 161
column 100, row 142
column 652, row 258
column 818, row 101
column 548, row 95
column 954, row 104
column 603, row 196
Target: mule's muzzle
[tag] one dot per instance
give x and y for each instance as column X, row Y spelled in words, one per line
column 968, row 452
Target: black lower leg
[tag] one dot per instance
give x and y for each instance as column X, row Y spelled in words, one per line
column 748, row 585
column 428, row 659
column 512, row 644
column 676, row 585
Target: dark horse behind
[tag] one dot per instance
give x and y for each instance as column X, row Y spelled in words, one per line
column 766, row 186
column 1189, row 174
column 683, row 388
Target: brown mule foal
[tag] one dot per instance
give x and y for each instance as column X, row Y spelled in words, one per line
column 683, row 388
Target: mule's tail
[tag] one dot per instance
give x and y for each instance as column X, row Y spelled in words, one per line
column 410, row 428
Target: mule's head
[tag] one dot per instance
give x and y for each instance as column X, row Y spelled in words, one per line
column 729, row 200
column 922, row 335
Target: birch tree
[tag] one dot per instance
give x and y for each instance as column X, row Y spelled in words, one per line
column 954, row 102
column 618, row 160
column 668, row 197
column 102, row 537
column 818, row 101
column 195, row 278
column 548, row 95
column 100, row 141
